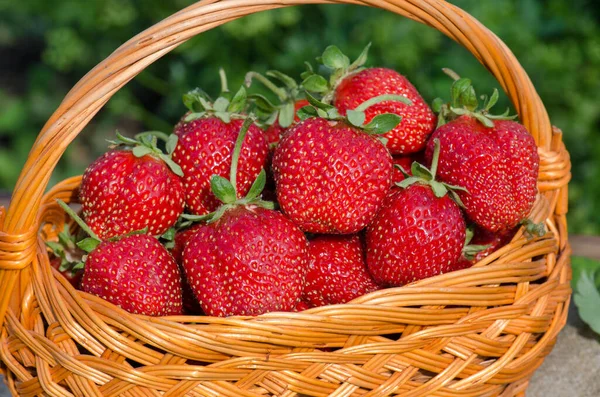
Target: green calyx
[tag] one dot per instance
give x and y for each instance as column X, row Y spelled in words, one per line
column 225, row 107
column 87, row 244
column 380, row 124
column 425, row 176
column 470, row 251
column 71, row 256
column 339, row 67
column 146, row 143
column 533, row 229
column 266, row 111
column 226, row 189
column 464, row 101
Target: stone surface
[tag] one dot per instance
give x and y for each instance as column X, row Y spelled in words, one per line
column 572, row 369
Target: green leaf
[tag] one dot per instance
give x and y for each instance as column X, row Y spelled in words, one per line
column 225, row 116
column 469, row 99
column 169, row 235
column 88, row 244
column 288, row 81
column 223, row 189
column 286, row 115
column 579, row 265
column 334, row 58
column 193, row 116
column 221, row 104
column 238, row 103
column 492, row 101
column 57, row 248
column 457, row 89
column 125, row 140
column 420, row 171
column 315, row 83
column 79, row 266
column 587, row 299
column 408, row 181
column 437, row 104
column 197, row 100
column 258, row 186
column 262, row 102
column 438, row 189
column 316, row 103
column 355, row 117
column 306, row 112
column 141, row 151
column 172, row 165
column 171, row 143
column 362, row 58
column 483, row 119
column 383, row 123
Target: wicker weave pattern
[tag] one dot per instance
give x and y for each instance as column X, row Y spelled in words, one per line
column 477, row 332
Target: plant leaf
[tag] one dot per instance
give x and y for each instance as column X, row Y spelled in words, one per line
column 238, row 102
column 221, row 104
column 88, row 244
column 171, row 143
column 355, row 117
column 362, row 58
column 334, row 58
column 288, row 81
column 286, row 115
column 383, row 123
column 258, row 186
column 262, row 102
column 141, row 151
column 223, row 189
column 587, row 299
column 306, row 112
column 315, row 83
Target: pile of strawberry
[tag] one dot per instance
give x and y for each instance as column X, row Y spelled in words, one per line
column 348, row 184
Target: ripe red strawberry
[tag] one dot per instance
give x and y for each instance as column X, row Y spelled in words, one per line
column 249, row 262
column 418, row 120
column 330, row 176
column 204, row 148
column 497, row 164
column 419, row 232
column 337, row 272
column 483, row 242
column 351, row 85
column 121, row 193
column 136, row 273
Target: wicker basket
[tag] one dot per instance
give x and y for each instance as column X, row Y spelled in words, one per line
column 476, row 332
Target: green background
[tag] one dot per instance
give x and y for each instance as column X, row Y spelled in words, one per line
column 46, row 46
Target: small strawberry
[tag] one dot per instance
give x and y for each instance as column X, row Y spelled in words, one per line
column 337, row 272
column 352, row 84
column 419, row 232
column 132, row 187
column 494, row 159
column 331, row 174
column 205, row 146
column 249, row 259
column 134, row 272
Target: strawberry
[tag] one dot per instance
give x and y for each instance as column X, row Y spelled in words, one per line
column 331, row 175
column 494, row 159
column 205, row 147
column 419, row 232
column 249, row 259
column 131, row 188
column 134, row 272
column 337, row 272
column 351, row 85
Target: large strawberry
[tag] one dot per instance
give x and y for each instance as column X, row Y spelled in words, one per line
column 249, row 259
column 180, row 240
column 332, row 175
column 130, row 188
column 337, row 272
column 419, row 232
column 133, row 271
column 205, row 146
column 494, row 159
column 351, row 85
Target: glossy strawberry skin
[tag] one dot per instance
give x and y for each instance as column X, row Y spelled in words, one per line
column 498, row 166
column 331, row 177
column 337, row 272
column 136, row 273
column 418, row 120
column 414, row 236
column 205, row 148
column 249, row 262
column 121, row 193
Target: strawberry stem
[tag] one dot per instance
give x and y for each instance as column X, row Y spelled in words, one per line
column 382, row 98
column 223, row 78
column 237, row 149
column 78, row 220
column 281, row 94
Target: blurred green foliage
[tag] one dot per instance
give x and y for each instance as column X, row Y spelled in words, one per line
column 46, row 46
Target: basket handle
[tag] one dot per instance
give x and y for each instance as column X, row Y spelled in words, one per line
column 90, row 94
